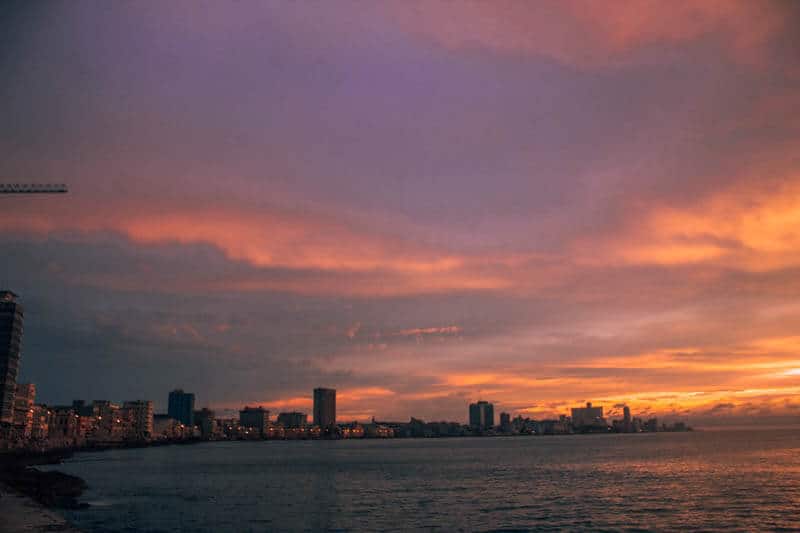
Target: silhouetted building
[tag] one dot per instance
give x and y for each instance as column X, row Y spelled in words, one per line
column 505, row 423
column 205, row 420
column 481, row 415
column 562, row 426
column 588, row 418
column 292, row 420
column 11, row 318
column 374, row 430
column 627, row 424
column 254, row 418
column 324, row 407
column 181, row 407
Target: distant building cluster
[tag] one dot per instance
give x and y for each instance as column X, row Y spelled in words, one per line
column 24, row 424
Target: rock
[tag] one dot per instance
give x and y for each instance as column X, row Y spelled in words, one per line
column 52, row 488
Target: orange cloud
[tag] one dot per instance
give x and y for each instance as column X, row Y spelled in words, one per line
column 344, row 257
column 590, row 33
column 364, row 393
column 745, row 228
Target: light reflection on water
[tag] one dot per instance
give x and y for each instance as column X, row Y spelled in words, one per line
column 700, row 480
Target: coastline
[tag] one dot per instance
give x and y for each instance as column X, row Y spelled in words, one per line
column 23, row 513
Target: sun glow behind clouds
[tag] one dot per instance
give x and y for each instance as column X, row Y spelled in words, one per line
column 534, row 203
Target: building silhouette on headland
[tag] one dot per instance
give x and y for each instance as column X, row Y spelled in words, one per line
column 11, row 318
column 181, row 407
column 481, row 415
column 324, row 407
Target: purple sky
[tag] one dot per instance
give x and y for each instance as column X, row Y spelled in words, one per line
column 418, row 203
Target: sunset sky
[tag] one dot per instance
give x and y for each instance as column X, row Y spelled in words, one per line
column 419, row 204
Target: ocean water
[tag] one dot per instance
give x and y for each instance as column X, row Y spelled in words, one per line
column 716, row 480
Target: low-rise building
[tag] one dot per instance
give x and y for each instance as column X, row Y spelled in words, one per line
column 40, row 426
column 354, row 430
column 293, row 420
column 167, row 428
column 64, row 430
column 378, row 431
column 24, row 400
column 206, row 423
column 139, row 416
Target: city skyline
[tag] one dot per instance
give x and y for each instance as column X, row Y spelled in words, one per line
column 408, row 205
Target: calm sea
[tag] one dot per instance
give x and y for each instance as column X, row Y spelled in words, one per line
column 703, row 480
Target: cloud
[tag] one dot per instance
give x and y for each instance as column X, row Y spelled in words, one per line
column 745, row 227
column 582, row 32
column 352, row 331
column 321, row 250
column 535, row 203
column 419, row 332
column 720, row 407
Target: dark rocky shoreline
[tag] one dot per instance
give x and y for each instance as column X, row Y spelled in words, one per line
column 50, row 488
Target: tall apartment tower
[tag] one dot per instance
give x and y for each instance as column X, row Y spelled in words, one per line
column 324, row 407
column 481, row 415
column 181, row 407
column 11, row 316
column 627, row 425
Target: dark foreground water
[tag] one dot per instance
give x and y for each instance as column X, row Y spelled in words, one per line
column 701, row 480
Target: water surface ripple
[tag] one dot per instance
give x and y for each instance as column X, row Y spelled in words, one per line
column 734, row 480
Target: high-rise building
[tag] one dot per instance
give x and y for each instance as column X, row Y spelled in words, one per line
column 11, row 316
column 627, row 426
column 481, row 415
column 255, row 418
column 181, row 407
column 324, row 407
column 292, row 420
